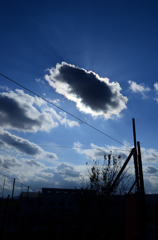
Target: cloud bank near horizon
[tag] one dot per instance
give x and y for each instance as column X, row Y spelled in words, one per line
column 91, row 93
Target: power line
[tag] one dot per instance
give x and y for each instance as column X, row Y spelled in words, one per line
column 63, row 110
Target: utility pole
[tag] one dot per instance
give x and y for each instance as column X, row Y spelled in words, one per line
column 140, row 189
column 135, row 156
column 142, row 195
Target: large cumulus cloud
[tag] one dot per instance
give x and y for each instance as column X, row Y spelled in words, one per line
column 17, row 111
column 20, row 111
column 8, row 140
column 92, row 94
column 20, row 144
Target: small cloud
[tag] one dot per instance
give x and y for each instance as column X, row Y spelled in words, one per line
column 38, row 80
column 156, row 99
column 51, row 155
column 72, row 123
column 138, row 88
column 33, row 163
column 156, row 87
column 56, row 101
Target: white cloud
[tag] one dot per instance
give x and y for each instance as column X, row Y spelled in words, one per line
column 72, row 123
column 4, row 88
column 149, row 169
column 138, row 88
column 149, row 155
column 156, row 99
column 7, row 162
column 91, row 93
column 38, row 80
column 62, row 175
column 33, row 163
column 156, row 87
column 151, row 184
column 67, row 170
column 56, row 101
column 96, row 152
column 62, row 118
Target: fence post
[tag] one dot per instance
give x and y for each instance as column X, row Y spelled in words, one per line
column 13, row 188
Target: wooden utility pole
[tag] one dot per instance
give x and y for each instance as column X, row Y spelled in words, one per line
column 135, row 156
column 140, row 189
column 142, row 196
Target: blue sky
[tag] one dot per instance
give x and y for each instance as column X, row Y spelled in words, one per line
column 96, row 60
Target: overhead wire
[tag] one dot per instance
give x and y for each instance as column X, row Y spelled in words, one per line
column 57, row 146
column 63, row 110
